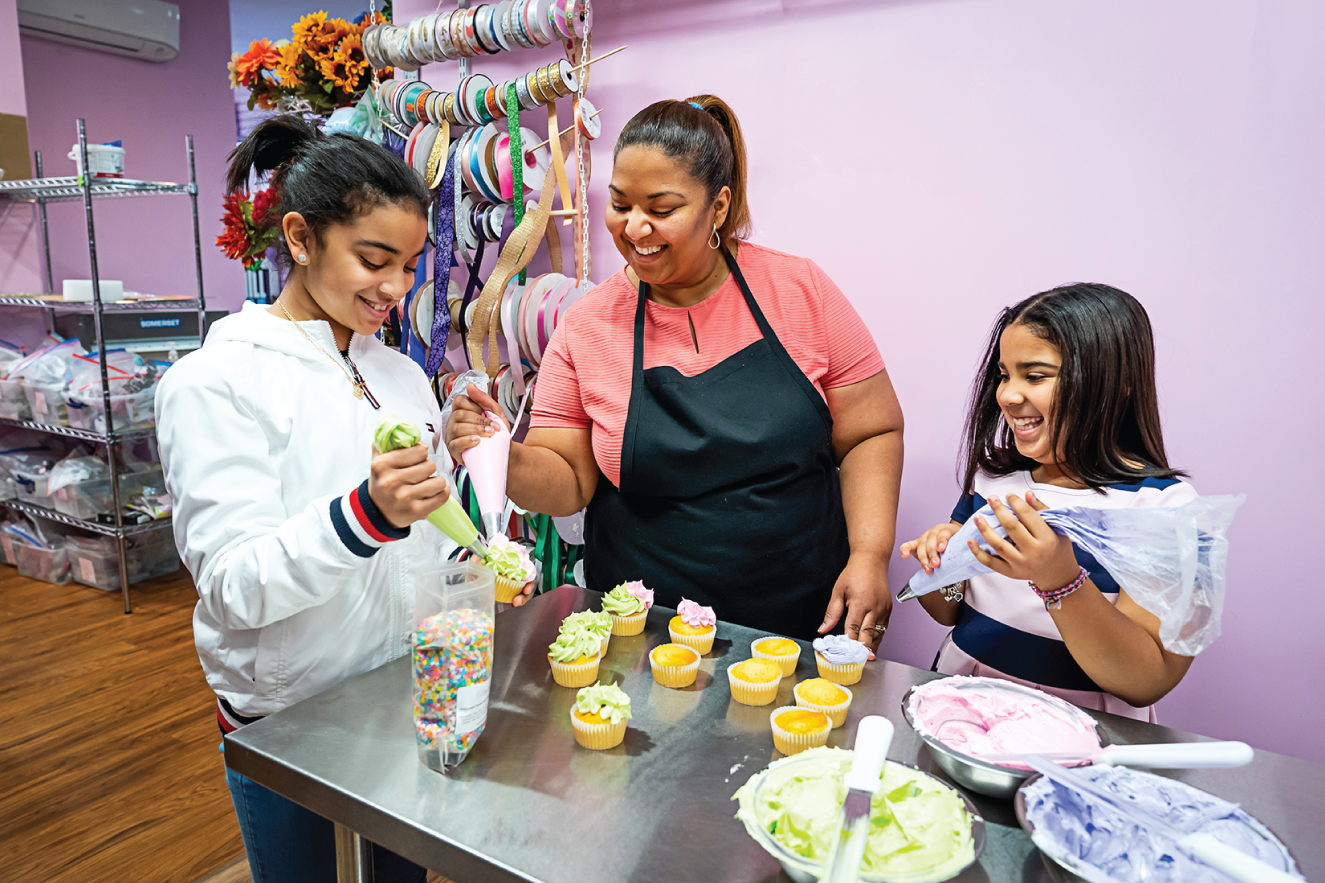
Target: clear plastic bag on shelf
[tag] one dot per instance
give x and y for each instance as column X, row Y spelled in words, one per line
column 10, row 355
column 132, row 384
column 75, row 469
column 49, row 365
column 17, row 530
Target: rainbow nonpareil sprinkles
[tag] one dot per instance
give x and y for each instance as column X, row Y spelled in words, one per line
column 452, row 652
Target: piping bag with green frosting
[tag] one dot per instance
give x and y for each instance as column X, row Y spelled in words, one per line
column 451, row 519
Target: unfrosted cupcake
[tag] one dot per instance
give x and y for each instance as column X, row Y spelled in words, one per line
column 784, row 651
column 694, row 626
column 597, row 623
column 754, row 681
column 819, row 694
column 574, row 659
column 796, row 729
column 599, row 716
column 628, row 604
column 674, row 665
column 840, row 659
column 512, row 565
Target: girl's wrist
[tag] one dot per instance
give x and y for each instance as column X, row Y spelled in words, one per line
column 1053, row 597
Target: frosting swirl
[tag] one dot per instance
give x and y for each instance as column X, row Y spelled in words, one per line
column 393, row 433
column 510, row 560
column 636, row 588
column 841, row 650
column 621, row 602
column 573, row 646
column 607, row 701
column 596, row 623
column 695, row 615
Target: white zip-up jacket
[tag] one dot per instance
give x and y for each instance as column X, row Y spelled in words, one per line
column 301, row 580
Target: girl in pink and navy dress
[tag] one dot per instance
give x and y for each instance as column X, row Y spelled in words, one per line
column 1064, row 413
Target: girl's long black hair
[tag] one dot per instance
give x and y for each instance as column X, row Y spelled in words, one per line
column 1105, row 421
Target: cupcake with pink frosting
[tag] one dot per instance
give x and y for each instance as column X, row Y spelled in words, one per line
column 512, row 565
column 628, row 604
column 694, row 625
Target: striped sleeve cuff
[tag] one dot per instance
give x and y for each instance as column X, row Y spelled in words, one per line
column 360, row 525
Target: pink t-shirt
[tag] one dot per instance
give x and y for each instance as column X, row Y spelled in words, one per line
column 585, row 377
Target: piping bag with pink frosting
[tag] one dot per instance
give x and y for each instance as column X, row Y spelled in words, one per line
column 392, row 434
column 487, row 462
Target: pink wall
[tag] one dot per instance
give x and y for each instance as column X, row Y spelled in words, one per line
column 148, row 243
column 19, row 250
column 943, row 159
column 11, row 64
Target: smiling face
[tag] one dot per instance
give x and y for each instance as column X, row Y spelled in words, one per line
column 661, row 218
column 1029, row 368
column 355, row 272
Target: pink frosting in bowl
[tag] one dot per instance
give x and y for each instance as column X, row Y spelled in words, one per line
column 636, row 588
column 695, row 615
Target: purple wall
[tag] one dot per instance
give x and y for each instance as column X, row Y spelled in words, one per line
column 148, row 243
column 943, row 159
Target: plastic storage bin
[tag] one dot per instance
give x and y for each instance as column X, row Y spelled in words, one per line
column 47, row 565
column 13, row 402
column 129, row 410
column 32, row 489
column 96, row 562
column 88, row 499
column 8, row 490
column 47, row 403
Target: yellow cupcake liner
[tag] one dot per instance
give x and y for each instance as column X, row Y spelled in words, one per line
column 625, row 626
column 843, row 675
column 788, row 662
column 836, row 713
column 674, row 675
column 795, row 743
column 598, row 736
column 569, row 674
column 750, row 693
column 505, row 589
column 702, row 644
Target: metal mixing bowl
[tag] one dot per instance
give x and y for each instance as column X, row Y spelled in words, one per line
column 981, row 776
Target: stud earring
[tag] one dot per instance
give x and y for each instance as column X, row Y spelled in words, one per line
column 303, row 259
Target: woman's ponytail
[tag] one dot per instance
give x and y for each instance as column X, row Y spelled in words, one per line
column 737, row 225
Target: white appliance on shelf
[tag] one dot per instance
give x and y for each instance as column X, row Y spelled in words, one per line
column 146, row 29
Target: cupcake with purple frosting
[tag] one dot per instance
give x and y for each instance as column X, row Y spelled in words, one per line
column 840, row 659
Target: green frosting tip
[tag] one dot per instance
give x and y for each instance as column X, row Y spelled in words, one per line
column 393, row 433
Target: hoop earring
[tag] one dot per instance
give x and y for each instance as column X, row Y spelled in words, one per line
column 715, row 245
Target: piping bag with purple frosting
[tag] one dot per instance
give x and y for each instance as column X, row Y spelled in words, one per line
column 451, row 519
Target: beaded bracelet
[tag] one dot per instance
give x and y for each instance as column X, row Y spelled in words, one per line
column 1053, row 599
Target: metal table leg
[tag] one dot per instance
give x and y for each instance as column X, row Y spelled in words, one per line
column 354, row 857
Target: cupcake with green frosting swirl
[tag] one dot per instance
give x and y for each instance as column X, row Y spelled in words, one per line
column 512, row 565
column 597, row 623
column 599, row 716
column 628, row 605
column 574, row 659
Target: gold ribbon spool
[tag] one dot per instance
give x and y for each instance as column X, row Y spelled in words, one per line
column 435, row 169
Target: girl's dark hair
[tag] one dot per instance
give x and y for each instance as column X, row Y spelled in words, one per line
column 328, row 179
column 708, row 142
column 1106, row 407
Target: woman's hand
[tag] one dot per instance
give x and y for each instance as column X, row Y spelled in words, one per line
column 862, row 591
column 402, row 485
column 1032, row 550
column 930, row 547
column 468, row 422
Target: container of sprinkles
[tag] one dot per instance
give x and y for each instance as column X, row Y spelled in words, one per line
column 452, row 661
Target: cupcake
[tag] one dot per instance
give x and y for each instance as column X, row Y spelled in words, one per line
column 818, row 694
column 693, row 626
column 599, row 716
column 597, row 623
column 513, row 566
column 628, row 604
column 784, row 651
column 840, row 659
column 674, row 665
column 754, row 681
column 574, row 659
column 796, row 729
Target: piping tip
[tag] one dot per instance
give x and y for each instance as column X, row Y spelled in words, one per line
column 492, row 524
column 479, row 548
column 906, row 594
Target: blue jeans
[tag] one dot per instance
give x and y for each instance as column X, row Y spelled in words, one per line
column 289, row 844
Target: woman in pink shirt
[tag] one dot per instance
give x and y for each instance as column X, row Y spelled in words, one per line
column 701, row 402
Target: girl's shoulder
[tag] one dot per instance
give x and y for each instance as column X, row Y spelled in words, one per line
column 1150, row 491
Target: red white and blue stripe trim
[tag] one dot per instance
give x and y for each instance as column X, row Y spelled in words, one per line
column 360, row 525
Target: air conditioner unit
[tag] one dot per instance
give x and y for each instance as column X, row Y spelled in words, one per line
column 146, row 29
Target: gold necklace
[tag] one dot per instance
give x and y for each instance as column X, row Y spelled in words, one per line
column 358, row 384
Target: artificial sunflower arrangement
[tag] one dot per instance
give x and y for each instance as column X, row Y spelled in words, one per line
column 247, row 236
column 322, row 64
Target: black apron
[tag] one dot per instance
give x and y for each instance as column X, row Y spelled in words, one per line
column 729, row 493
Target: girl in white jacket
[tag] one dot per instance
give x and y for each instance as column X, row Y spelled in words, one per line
column 302, row 541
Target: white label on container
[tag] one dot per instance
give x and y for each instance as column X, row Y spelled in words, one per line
column 471, row 707
column 41, row 402
column 85, row 569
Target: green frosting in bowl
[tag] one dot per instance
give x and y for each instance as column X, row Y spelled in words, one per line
column 570, row 647
column 619, row 602
column 394, row 433
column 596, row 623
column 607, row 701
column 918, row 826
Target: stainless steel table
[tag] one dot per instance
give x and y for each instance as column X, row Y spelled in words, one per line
column 530, row 804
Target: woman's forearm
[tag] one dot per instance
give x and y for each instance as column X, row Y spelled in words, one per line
column 552, row 472
column 871, row 483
